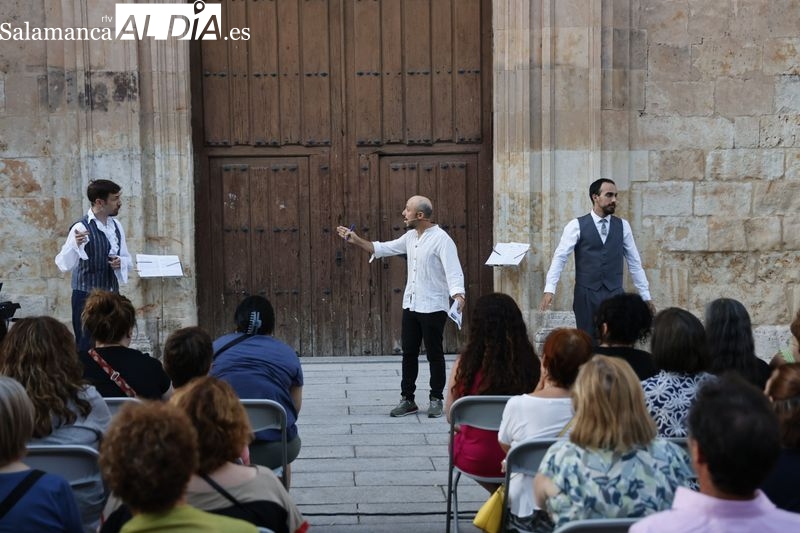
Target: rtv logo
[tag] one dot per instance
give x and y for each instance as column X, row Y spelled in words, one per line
column 197, row 21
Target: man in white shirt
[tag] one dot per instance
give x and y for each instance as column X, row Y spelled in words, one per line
column 600, row 242
column 434, row 276
column 95, row 251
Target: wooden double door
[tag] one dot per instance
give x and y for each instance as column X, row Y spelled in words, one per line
column 335, row 112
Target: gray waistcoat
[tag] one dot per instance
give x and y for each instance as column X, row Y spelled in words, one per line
column 96, row 273
column 598, row 264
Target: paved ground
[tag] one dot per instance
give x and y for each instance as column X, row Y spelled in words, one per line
column 361, row 470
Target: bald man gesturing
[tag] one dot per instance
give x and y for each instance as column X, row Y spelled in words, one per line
column 434, row 276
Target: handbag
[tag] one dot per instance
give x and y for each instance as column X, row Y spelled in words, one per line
column 491, row 513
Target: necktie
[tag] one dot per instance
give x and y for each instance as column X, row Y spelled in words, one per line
column 603, row 227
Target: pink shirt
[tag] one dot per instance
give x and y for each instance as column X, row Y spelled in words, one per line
column 695, row 512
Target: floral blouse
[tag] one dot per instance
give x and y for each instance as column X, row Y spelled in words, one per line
column 669, row 396
column 603, row 484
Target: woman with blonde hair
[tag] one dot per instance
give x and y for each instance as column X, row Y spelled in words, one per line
column 39, row 352
column 43, row 502
column 112, row 366
column 613, row 465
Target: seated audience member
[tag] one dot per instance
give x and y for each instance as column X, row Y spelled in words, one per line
column 791, row 353
column 111, row 366
column 259, row 366
column 39, row 352
column 680, row 351
column 613, row 465
column 499, row 359
column 730, row 342
column 147, row 459
column 544, row 413
column 734, row 442
column 783, row 390
column 43, row 502
column 622, row 321
column 223, row 430
column 188, row 353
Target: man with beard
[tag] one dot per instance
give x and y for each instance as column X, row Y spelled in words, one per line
column 95, row 251
column 434, row 276
column 600, row 241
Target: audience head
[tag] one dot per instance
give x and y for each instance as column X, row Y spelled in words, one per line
column 16, row 420
column 730, row 339
column 499, row 346
column 108, row 316
column 148, row 455
column 565, row 350
column 783, row 390
column 678, row 343
column 39, row 352
column 623, row 319
column 733, row 436
column 610, row 412
column 255, row 316
column 217, row 414
column 188, row 354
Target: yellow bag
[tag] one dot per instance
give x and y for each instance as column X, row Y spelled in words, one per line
column 490, row 514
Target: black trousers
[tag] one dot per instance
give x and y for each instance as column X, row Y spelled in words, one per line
column 82, row 338
column 416, row 328
column 585, row 304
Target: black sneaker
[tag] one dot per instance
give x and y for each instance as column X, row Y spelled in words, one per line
column 404, row 408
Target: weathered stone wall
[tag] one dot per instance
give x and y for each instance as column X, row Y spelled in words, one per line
column 72, row 111
column 692, row 107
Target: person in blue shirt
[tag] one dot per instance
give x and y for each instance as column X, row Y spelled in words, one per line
column 259, row 366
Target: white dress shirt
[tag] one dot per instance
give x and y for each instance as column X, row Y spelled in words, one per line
column 434, row 272
column 569, row 238
column 71, row 253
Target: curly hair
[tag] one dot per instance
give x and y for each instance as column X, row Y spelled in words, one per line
column 16, row 420
column 564, row 351
column 610, row 413
column 40, row 353
column 730, row 340
column 108, row 316
column 188, row 354
column 498, row 348
column 148, row 455
column 783, row 389
column 221, row 422
column 627, row 317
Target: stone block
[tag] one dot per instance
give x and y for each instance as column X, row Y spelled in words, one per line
column 781, row 197
column 670, row 199
column 792, row 163
column 660, row 133
column 671, row 165
column 681, row 233
column 752, row 96
column 636, row 89
column 615, row 125
column 787, row 95
column 669, row 62
column 739, row 164
column 22, row 95
column 750, row 18
column 572, row 13
column 766, row 302
column 781, row 56
column 763, row 233
column 708, row 17
column 573, row 129
column 746, row 132
column 572, row 89
column 665, row 21
column 783, row 17
column 714, row 58
column 685, row 98
column 779, row 130
column 722, row 199
column 571, row 47
column 726, row 234
column 791, row 232
column 769, row 340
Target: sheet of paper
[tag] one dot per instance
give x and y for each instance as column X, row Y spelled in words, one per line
column 508, row 253
column 455, row 315
column 158, row 266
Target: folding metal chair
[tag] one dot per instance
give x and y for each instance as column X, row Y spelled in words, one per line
column 268, row 414
column 523, row 458
column 115, row 403
column 74, row 463
column 482, row 412
column 598, row 525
